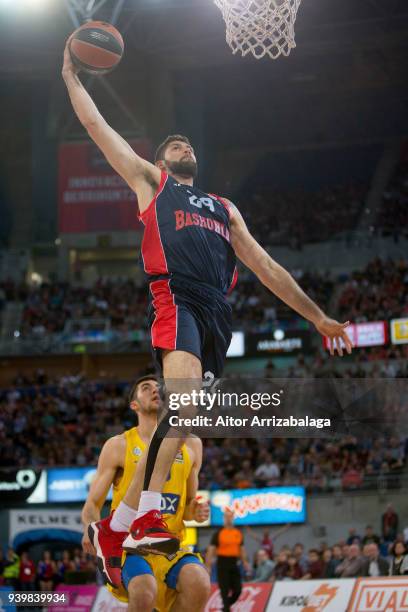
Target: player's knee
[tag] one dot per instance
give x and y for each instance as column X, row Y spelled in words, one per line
column 142, row 592
column 194, row 583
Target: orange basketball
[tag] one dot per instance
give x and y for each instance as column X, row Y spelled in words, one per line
column 96, row 47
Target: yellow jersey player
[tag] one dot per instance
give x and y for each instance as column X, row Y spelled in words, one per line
column 163, row 582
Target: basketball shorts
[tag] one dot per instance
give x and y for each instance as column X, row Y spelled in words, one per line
column 166, row 570
column 188, row 316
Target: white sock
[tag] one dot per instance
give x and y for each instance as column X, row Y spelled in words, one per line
column 149, row 500
column 123, row 517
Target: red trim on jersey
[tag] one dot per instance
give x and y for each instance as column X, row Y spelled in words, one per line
column 224, row 202
column 154, row 258
column 164, row 328
column 228, row 208
column 234, row 280
column 163, row 179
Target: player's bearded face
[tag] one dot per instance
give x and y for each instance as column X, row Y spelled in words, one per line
column 185, row 167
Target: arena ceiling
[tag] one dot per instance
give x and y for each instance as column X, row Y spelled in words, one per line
column 191, row 34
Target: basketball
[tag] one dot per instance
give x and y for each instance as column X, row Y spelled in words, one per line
column 96, row 47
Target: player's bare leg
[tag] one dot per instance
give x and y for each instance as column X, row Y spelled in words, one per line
column 142, row 591
column 176, row 365
column 182, row 373
column 193, row 584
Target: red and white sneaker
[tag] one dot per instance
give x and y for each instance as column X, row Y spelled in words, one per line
column 149, row 534
column 108, row 545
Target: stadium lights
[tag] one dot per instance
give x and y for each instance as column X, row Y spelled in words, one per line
column 279, row 334
column 35, row 4
column 19, row 5
column 36, row 278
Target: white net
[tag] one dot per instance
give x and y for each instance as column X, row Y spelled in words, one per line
column 260, row 27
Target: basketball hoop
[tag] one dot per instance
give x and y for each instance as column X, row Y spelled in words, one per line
column 260, row 27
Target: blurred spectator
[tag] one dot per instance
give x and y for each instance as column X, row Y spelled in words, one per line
column 282, row 566
column 267, row 539
column 11, row 570
column 375, row 565
column 366, row 550
column 332, row 563
column 64, row 565
column 352, row 479
column 399, row 560
column 267, row 474
column 315, row 565
column 46, row 571
column 389, row 522
column 28, row 573
column 244, row 478
column 353, row 537
column 301, row 558
column 370, row 537
column 327, row 556
column 294, row 571
column 264, row 567
column 353, row 565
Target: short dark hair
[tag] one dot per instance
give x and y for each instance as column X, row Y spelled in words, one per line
column 161, row 149
column 139, row 381
column 394, row 546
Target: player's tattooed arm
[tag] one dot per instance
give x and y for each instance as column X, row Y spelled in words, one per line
column 282, row 284
column 141, row 176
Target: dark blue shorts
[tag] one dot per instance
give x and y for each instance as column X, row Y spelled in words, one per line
column 189, row 316
column 136, row 565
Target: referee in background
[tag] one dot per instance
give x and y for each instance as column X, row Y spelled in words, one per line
column 227, row 544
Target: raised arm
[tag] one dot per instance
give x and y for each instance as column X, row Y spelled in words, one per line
column 110, row 460
column 141, row 176
column 282, row 284
column 280, row 531
column 252, row 534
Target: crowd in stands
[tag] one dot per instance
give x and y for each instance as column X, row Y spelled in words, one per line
column 301, row 217
column 256, row 309
column 22, row 573
column 378, row 292
column 66, row 422
column 392, row 218
column 62, row 423
column 371, row 362
column 357, row 555
column 318, row 464
column 50, row 306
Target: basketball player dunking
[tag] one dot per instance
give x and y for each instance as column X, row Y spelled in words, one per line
column 189, row 246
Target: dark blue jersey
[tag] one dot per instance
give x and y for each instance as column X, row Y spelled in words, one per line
column 187, row 233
